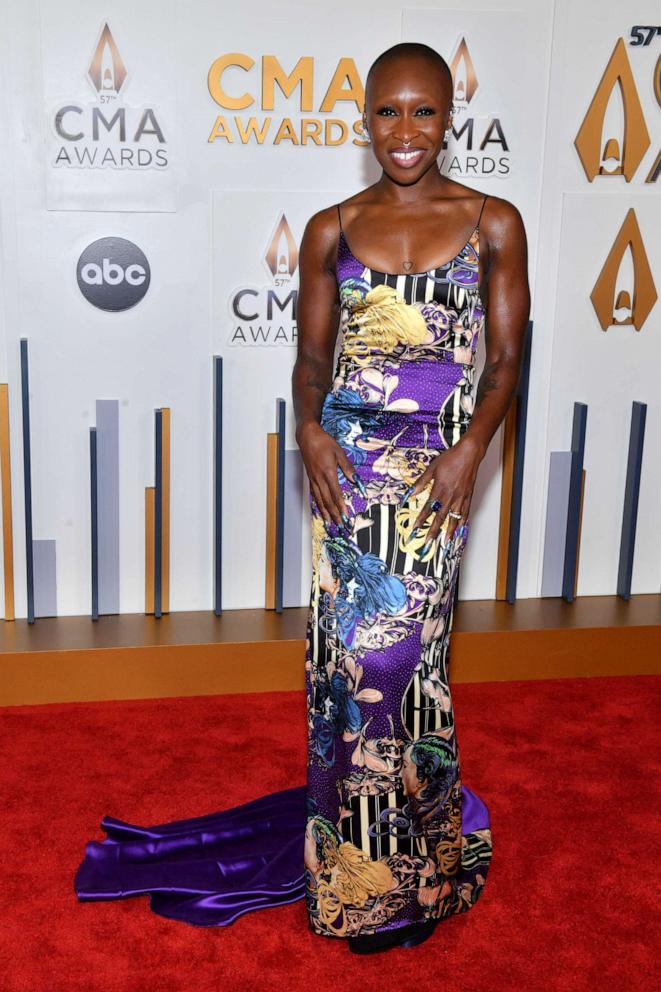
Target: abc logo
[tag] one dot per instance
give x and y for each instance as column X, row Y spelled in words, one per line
column 113, row 274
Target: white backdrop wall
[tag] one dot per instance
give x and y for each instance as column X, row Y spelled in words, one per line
column 204, row 203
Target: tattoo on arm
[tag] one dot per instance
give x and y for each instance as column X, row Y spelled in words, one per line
column 310, row 383
column 316, row 376
column 488, row 382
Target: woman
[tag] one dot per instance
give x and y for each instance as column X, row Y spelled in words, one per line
column 394, row 842
column 383, row 840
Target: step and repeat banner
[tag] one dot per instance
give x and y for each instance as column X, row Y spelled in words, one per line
column 158, row 164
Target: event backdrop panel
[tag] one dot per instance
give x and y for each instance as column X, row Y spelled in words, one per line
column 600, row 74
column 157, row 353
column 607, row 370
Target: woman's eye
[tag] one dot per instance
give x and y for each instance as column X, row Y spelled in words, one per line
column 428, row 110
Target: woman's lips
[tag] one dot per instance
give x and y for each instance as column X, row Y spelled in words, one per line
column 406, row 160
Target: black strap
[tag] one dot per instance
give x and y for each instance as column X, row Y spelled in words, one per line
column 482, row 208
column 339, row 215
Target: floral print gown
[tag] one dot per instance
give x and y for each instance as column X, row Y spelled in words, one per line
column 393, row 836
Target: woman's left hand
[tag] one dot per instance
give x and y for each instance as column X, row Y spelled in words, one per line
column 452, row 474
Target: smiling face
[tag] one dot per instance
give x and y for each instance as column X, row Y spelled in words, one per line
column 407, row 99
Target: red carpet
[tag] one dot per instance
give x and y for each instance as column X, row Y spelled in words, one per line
column 567, row 767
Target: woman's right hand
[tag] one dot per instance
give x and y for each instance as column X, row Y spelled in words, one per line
column 321, row 455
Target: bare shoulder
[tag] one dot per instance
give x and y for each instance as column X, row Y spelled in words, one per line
column 324, row 223
column 502, row 223
column 319, row 241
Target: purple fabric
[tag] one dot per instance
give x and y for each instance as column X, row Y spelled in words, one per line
column 474, row 812
column 206, row 870
column 209, row 870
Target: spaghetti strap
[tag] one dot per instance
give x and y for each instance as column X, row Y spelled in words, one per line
column 339, row 216
column 481, row 209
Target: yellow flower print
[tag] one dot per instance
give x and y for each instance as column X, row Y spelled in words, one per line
column 405, row 517
column 381, row 321
column 358, row 877
column 344, row 876
column 319, row 533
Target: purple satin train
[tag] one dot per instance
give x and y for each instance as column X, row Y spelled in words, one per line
column 209, row 870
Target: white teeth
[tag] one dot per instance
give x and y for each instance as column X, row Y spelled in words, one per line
column 405, row 156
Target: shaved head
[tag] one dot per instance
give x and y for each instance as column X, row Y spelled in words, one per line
column 413, row 49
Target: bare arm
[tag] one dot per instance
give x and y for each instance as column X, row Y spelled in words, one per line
column 318, row 312
column 317, row 316
column 508, row 309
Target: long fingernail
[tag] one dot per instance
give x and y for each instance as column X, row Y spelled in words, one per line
column 407, row 494
column 425, row 548
column 414, row 532
column 345, row 518
column 359, row 482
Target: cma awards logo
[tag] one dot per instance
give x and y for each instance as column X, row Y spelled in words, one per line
column 113, row 274
column 622, row 307
column 267, row 316
column 479, row 143
column 107, row 133
column 610, row 154
column 296, row 85
column 605, row 154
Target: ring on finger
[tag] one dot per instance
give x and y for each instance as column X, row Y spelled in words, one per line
column 435, row 505
column 453, row 513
